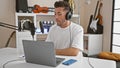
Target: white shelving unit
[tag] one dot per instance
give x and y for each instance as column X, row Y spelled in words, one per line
column 23, row 35
column 35, row 18
column 92, row 44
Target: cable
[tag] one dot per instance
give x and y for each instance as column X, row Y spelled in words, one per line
column 87, row 59
column 82, row 51
column 90, row 63
column 9, row 62
column 9, row 39
column 70, row 34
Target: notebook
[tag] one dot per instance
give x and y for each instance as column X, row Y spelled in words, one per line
column 40, row 52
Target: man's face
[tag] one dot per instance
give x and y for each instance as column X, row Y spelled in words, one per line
column 60, row 16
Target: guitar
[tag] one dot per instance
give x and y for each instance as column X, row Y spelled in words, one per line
column 92, row 27
column 38, row 9
column 99, row 16
column 100, row 21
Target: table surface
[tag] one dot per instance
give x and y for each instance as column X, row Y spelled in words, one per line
column 8, row 54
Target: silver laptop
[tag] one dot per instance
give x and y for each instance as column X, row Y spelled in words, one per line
column 40, row 52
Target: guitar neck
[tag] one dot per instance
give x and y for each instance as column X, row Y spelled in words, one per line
column 100, row 7
column 96, row 10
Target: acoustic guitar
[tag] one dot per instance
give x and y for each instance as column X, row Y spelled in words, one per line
column 99, row 16
column 38, row 9
column 100, row 21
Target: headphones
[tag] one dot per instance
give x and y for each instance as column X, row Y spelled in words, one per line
column 69, row 14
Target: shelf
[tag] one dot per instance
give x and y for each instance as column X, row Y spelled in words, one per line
column 38, row 14
column 25, row 14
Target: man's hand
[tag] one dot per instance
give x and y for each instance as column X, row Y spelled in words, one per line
column 68, row 51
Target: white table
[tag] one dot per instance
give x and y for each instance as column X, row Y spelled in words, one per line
column 7, row 54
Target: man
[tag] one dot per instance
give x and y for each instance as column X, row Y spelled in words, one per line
column 66, row 35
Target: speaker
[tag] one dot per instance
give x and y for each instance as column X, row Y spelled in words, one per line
column 21, row 6
column 69, row 14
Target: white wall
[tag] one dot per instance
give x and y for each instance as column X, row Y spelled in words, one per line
column 7, row 14
column 42, row 3
column 107, row 19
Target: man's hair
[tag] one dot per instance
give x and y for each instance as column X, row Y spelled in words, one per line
column 63, row 4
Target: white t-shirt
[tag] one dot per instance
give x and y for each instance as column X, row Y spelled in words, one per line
column 71, row 36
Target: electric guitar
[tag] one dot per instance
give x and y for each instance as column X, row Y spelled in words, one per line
column 92, row 27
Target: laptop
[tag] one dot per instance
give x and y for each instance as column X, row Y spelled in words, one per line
column 40, row 52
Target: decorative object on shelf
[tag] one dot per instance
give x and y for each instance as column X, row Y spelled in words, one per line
column 45, row 26
column 38, row 9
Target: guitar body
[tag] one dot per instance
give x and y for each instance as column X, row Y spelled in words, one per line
column 100, row 21
column 99, row 29
column 99, row 24
column 89, row 30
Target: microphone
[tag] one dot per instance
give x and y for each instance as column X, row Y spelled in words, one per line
column 41, row 27
column 28, row 25
column 32, row 29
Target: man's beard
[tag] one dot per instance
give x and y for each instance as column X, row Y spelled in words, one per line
column 60, row 23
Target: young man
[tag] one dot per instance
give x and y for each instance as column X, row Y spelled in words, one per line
column 66, row 35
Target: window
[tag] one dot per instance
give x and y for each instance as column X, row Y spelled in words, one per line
column 115, row 45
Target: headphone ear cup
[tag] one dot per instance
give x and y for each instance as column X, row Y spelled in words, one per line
column 68, row 15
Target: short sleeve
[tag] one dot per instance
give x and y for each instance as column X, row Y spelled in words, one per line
column 78, row 39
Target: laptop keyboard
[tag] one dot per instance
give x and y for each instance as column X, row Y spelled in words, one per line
column 59, row 60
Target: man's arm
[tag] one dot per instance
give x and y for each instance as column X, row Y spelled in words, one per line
column 68, row 51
